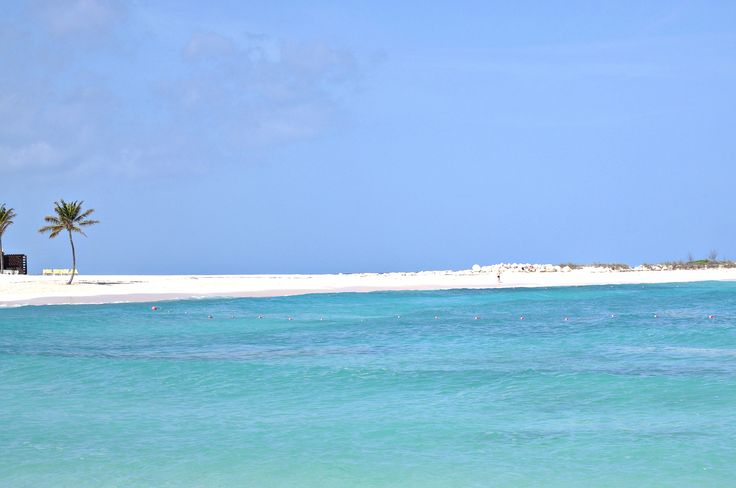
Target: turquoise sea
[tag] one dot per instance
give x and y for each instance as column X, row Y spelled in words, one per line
column 406, row 389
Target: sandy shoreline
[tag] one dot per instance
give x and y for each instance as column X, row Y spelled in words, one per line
column 43, row 290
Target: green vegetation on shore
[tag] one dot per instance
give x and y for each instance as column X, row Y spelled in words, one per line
column 707, row 263
column 696, row 264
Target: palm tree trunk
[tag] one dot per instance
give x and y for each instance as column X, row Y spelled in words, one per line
column 2, row 256
column 74, row 258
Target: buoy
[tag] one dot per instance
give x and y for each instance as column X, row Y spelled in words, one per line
column 209, row 316
column 289, row 318
column 154, row 308
column 260, row 316
column 711, row 317
column 436, row 317
column 522, row 317
column 566, row 319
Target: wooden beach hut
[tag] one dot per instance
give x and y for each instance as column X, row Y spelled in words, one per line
column 16, row 263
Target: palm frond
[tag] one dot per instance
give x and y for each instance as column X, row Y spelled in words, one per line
column 69, row 216
column 85, row 214
column 53, row 229
column 6, row 217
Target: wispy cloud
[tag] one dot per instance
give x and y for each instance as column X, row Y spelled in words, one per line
column 33, row 156
column 208, row 45
column 260, row 91
column 72, row 17
column 212, row 99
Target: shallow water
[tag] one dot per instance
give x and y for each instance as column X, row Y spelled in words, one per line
column 373, row 390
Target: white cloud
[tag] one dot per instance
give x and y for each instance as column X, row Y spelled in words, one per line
column 34, row 156
column 211, row 100
column 207, row 45
column 260, row 91
column 66, row 17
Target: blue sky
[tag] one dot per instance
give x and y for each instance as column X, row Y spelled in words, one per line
column 249, row 137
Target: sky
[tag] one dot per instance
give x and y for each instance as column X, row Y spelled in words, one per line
column 325, row 136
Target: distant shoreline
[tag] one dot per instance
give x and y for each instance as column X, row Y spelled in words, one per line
column 18, row 290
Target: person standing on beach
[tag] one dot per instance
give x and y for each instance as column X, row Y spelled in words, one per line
column 498, row 276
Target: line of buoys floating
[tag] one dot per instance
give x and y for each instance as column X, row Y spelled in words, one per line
column 154, row 308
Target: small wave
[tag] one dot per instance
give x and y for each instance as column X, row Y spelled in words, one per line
column 184, row 355
column 701, row 351
column 680, row 350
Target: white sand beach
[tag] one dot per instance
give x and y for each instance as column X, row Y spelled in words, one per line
column 41, row 290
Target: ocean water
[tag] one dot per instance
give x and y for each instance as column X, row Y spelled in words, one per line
column 406, row 389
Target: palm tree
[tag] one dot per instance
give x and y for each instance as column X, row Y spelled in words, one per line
column 6, row 218
column 70, row 217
